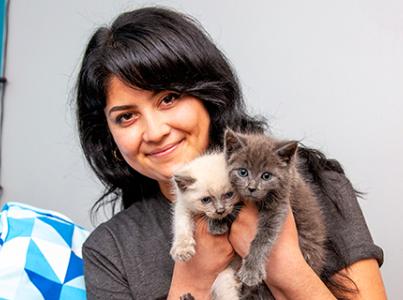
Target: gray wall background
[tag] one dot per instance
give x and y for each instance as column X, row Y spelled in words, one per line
column 327, row 72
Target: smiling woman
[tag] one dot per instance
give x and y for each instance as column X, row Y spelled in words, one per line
column 156, row 131
column 159, row 52
column 154, row 92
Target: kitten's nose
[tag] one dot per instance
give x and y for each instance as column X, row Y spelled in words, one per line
column 251, row 189
column 220, row 211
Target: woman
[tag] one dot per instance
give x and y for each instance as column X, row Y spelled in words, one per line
column 154, row 92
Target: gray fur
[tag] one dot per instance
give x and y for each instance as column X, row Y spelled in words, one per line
column 273, row 182
column 217, row 226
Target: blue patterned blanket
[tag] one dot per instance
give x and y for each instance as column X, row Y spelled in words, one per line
column 40, row 254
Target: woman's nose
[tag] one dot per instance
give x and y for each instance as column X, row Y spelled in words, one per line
column 155, row 129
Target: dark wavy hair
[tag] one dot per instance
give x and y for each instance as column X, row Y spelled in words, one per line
column 159, row 49
column 153, row 49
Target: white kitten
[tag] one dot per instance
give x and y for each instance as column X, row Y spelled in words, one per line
column 202, row 187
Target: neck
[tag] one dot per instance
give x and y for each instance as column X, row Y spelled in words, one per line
column 166, row 190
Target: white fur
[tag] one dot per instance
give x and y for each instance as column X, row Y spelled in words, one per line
column 211, row 176
column 211, row 173
column 226, row 286
column 183, row 246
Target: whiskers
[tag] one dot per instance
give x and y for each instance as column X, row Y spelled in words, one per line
column 228, row 219
column 235, row 211
column 204, row 218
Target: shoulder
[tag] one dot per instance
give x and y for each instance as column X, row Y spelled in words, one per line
column 131, row 250
column 348, row 231
column 338, row 196
column 337, row 188
column 106, row 239
column 132, row 221
column 138, row 223
column 109, row 230
column 107, row 260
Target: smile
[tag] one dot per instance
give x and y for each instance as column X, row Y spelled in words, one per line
column 164, row 150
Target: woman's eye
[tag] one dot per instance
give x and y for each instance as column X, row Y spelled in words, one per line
column 170, row 98
column 243, row 172
column 206, row 200
column 124, row 118
column 266, row 175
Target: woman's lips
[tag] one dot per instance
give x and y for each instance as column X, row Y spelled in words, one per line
column 165, row 150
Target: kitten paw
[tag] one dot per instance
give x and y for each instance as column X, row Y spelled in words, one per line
column 187, row 296
column 183, row 250
column 251, row 277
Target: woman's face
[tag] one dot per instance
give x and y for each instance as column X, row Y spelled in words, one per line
column 155, row 132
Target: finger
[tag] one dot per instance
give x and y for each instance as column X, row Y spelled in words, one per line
column 289, row 223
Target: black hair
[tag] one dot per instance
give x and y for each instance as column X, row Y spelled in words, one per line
column 153, row 49
column 160, row 49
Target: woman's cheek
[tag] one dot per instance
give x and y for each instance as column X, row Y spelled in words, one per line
column 128, row 140
column 185, row 117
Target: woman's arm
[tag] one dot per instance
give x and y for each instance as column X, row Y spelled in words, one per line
column 288, row 275
column 196, row 276
column 367, row 277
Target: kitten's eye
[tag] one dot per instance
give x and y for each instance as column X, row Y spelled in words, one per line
column 206, row 200
column 228, row 195
column 267, row 176
column 243, row 172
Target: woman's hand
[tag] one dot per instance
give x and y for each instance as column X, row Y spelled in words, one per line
column 213, row 255
column 285, row 252
column 288, row 275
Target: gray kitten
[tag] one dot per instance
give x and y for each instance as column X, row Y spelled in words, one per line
column 264, row 170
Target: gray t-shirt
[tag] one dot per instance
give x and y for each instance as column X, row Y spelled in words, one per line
column 128, row 256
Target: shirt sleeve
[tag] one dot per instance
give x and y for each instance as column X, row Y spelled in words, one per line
column 103, row 268
column 349, row 236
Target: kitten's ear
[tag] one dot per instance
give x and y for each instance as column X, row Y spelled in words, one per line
column 183, row 182
column 232, row 142
column 286, row 150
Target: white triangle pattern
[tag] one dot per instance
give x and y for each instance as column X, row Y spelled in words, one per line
column 18, row 213
column 13, row 256
column 57, row 256
column 46, row 232
column 79, row 235
column 12, row 264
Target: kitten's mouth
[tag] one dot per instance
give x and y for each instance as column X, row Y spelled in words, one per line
column 252, row 197
column 218, row 216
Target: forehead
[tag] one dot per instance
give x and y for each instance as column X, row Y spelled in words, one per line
column 257, row 156
column 210, row 172
column 201, row 190
column 118, row 92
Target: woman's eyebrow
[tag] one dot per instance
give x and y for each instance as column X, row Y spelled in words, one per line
column 121, row 107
